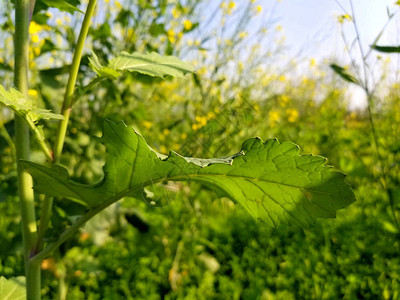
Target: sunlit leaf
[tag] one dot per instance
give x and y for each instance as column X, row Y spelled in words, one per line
column 62, row 5
column 12, row 288
column 151, row 64
column 270, row 179
column 386, row 49
column 24, row 107
column 29, row 112
column 342, row 72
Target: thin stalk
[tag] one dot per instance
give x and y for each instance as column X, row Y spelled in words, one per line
column 384, row 177
column 65, row 111
column 73, row 74
column 45, row 215
column 71, row 230
column 40, row 139
column 4, row 133
column 384, row 180
column 22, row 145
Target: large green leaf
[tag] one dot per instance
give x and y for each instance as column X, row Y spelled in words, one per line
column 270, row 179
column 151, row 64
column 12, row 288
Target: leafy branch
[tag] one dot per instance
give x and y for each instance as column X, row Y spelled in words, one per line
column 270, row 179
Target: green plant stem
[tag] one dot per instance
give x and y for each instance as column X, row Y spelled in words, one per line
column 384, row 178
column 65, row 111
column 72, row 229
column 73, row 74
column 22, row 145
column 39, row 138
column 4, row 133
column 45, row 215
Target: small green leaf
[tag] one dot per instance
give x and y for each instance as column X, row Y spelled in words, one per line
column 102, row 71
column 342, row 72
column 62, row 5
column 24, row 107
column 156, row 29
column 30, row 113
column 12, row 288
column 47, row 46
column 151, row 64
column 386, row 49
column 270, row 179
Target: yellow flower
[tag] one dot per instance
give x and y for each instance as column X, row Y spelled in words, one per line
column 240, row 66
column 274, row 116
column 35, row 28
column 118, row 4
column 283, row 100
column 171, row 36
column 231, row 7
column 343, row 18
column 228, row 42
column 312, row 62
column 242, row 35
column 36, row 51
column 201, row 120
column 282, row 78
column 32, row 93
column 292, row 115
column 258, row 9
column 180, row 34
column 187, row 24
column 228, row 8
column 166, row 131
column 175, row 13
column 202, row 71
column 35, row 38
column 163, row 149
column 147, row 124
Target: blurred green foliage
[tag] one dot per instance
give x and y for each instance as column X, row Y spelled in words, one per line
column 201, row 247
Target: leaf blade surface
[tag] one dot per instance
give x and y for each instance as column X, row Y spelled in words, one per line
column 270, row 179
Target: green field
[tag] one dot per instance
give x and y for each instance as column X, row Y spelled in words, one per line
column 187, row 241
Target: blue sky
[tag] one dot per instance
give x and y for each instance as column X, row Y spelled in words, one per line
column 311, row 25
column 313, row 22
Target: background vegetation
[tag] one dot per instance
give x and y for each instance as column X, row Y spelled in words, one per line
column 199, row 246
